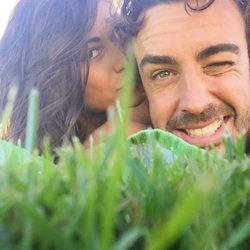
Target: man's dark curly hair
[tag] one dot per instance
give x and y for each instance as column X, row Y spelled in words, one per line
column 131, row 11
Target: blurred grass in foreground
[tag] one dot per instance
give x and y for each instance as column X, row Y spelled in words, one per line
column 112, row 201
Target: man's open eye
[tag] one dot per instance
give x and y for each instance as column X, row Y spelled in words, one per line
column 93, row 53
column 163, row 74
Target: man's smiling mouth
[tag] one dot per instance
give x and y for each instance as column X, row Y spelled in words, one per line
column 205, row 131
column 204, row 135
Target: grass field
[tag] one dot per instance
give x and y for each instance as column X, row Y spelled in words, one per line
column 112, row 201
column 108, row 199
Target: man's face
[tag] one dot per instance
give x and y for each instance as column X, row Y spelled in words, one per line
column 195, row 71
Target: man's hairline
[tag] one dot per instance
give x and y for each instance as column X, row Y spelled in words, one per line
column 168, row 3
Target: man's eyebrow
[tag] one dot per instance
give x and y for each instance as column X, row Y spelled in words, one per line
column 153, row 59
column 94, row 40
column 213, row 50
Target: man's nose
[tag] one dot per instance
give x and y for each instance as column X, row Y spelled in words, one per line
column 195, row 94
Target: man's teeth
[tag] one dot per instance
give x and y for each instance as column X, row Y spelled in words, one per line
column 206, row 131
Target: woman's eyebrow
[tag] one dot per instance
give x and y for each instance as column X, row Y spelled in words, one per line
column 94, row 40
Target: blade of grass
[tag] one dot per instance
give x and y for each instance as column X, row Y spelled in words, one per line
column 112, row 192
column 32, row 122
column 128, row 238
column 6, row 115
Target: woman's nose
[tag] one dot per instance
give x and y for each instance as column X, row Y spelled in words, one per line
column 118, row 60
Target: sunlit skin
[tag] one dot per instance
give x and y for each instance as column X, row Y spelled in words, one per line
column 106, row 62
column 195, row 70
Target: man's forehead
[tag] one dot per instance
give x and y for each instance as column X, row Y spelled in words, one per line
column 160, row 18
column 171, row 21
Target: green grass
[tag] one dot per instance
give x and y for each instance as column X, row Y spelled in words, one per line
column 111, row 200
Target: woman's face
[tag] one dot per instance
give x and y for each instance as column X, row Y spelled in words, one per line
column 106, row 62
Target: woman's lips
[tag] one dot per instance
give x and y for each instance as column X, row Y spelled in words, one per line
column 210, row 134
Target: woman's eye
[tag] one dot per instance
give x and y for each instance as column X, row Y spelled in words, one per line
column 93, row 53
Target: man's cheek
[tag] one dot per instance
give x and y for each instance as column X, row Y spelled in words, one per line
column 157, row 114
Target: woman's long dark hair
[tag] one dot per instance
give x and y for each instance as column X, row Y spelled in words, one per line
column 43, row 48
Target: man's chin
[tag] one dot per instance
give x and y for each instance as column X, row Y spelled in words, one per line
column 214, row 143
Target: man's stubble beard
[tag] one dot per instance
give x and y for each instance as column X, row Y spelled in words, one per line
column 241, row 122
